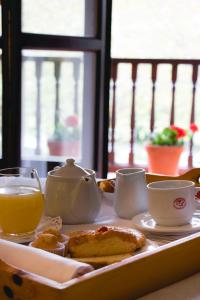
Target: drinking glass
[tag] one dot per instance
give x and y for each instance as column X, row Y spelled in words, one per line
column 21, row 201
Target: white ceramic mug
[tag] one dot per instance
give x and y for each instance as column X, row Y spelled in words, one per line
column 130, row 192
column 171, row 202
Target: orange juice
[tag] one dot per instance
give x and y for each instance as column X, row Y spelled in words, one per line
column 21, row 208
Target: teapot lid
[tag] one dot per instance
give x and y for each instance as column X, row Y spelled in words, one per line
column 70, row 170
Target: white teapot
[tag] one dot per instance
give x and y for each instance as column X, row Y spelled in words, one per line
column 72, row 193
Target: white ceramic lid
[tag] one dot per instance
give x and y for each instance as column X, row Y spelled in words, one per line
column 70, row 170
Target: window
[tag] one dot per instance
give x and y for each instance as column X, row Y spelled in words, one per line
column 57, row 63
column 158, row 43
column 63, row 17
column 0, row 83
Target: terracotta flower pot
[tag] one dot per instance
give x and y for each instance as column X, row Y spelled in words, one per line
column 64, row 148
column 163, row 159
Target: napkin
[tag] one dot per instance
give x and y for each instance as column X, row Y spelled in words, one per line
column 40, row 262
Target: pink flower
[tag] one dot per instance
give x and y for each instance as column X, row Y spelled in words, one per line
column 72, row 121
column 193, row 127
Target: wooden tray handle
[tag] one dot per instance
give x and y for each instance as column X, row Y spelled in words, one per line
column 18, row 284
column 193, row 175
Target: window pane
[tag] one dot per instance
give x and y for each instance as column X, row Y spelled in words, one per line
column 143, row 29
column 57, row 98
column 63, row 17
column 156, row 29
column 0, row 103
column 0, row 20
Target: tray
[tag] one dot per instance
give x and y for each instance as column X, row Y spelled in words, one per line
column 129, row 279
column 193, row 175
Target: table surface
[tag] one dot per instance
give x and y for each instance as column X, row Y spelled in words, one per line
column 188, row 288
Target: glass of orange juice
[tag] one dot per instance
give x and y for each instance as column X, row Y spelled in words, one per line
column 21, row 201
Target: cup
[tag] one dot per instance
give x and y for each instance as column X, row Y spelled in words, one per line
column 21, row 201
column 171, row 202
column 130, row 192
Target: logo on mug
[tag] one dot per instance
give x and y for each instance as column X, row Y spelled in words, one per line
column 197, row 196
column 179, row 203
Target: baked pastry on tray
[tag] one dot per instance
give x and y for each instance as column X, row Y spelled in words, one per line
column 107, row 185
column 61, row 238
column 48, row 242
column 105, row 245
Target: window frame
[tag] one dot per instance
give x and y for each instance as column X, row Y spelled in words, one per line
column 14, row 40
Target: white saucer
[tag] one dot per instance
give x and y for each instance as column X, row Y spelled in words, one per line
column 145, row 222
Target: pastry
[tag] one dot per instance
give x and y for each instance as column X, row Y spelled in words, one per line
column 48, row 242
column 105, row 241
column 107, row 185
column 62, row 238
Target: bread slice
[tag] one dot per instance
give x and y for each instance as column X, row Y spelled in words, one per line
column 102, row 261
column 105, row 241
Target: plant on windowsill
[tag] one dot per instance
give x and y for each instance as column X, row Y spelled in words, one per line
column 165, row 147
column 65, row 140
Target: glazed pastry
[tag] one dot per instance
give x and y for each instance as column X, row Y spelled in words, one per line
column 105, row 241
column 48, row 242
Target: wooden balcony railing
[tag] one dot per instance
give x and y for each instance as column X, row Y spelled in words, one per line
column 154, row 63
column 57, row 63
column 134, row 63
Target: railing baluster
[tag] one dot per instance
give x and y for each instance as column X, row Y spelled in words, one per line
column 174, row 78
column 76, row 74
column 38, row 72
column 57, row 65
column 192, row 116
column 134, row 77
column 114, row 78
column 153, row 78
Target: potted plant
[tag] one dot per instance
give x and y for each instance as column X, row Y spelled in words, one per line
column 165, row 148
column 65, row 139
